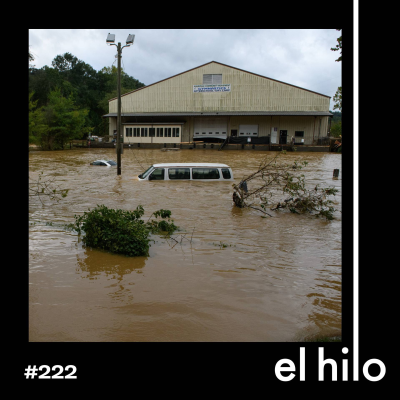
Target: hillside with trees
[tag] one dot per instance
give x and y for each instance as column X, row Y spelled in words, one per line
column 336, row 127
column 68, row 99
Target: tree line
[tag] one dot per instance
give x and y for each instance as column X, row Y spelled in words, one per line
column 336, row 123
column 68, row 99
column 336, row 127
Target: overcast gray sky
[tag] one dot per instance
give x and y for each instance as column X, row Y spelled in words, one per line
column 301, row 57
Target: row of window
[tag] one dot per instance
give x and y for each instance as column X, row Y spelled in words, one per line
column 152, row 132
column 184, row 173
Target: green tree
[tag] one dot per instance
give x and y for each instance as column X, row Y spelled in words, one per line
column 36, row 122
column 63, row 119
column 110, row 78
column 338, row 46
column 337, row 98
column 336, row 128
column 31, row 58
column 42, row 81
column 90, row 89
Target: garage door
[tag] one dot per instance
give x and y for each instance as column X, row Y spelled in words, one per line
column 210, row 128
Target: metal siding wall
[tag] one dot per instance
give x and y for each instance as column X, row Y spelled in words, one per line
column 112, row 125
column 289, row 123
column 248, row 93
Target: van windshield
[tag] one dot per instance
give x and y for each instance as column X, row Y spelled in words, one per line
column 145, row 173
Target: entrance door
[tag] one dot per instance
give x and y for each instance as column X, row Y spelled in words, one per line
column 234, row 132
column 282, row 137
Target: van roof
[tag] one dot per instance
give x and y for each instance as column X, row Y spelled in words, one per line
column 191, row 165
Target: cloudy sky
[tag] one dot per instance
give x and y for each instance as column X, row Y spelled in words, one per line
column 301, row 57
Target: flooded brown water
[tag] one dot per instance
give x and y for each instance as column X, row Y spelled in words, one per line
column 241, row 278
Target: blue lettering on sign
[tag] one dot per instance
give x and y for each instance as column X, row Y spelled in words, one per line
column 211, row 88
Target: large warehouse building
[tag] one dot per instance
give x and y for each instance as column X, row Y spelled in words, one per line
column 214, row 101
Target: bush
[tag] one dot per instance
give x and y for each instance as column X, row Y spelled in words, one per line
column 118, row 231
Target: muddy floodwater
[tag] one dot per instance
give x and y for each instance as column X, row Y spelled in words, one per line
column 230, row 274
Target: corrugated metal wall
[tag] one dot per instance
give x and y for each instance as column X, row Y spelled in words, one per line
column 310, row 125
column 313, row 127
column 249, row 92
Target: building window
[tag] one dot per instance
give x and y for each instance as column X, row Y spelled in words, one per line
column 128, row 132
column 175, row 132
column 152, row 132
column 167, row 132
column 144, row 132
column 159, row 132
column 136, row 132
column 299, row 133
column 212, row 79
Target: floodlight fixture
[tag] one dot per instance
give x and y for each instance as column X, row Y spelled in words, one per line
column 110, row 38
column 130, row 39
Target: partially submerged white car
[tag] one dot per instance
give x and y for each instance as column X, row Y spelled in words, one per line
column 188, row 171
column 106, row 163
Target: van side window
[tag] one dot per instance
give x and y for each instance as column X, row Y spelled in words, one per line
column 157, row 175
column 205, row 173
column 226, row 173
column 179, row 173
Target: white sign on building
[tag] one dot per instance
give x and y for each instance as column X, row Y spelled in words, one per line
column 211, row 88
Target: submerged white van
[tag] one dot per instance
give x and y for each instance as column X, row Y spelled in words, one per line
column 187, row 171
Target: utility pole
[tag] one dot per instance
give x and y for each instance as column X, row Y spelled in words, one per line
column 119, row 111
column 129, row 41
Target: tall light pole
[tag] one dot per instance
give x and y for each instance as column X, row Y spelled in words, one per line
column 129, row 41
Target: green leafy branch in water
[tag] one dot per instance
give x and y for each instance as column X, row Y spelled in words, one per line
column 120, row 231
column 275, row 180
column 46, row 186
column 163, row 226
column 312, row 201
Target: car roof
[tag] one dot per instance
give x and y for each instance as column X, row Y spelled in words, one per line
column 191, row 165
